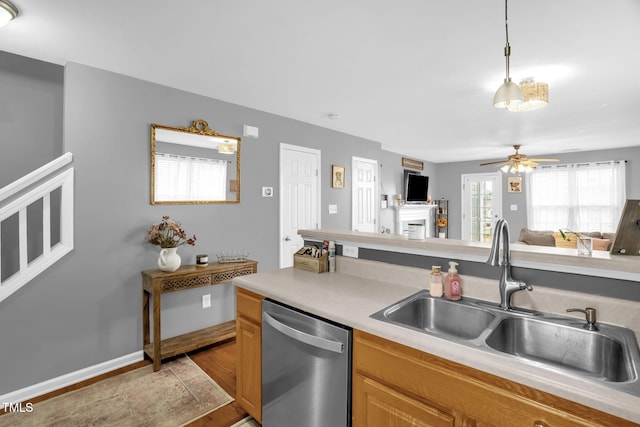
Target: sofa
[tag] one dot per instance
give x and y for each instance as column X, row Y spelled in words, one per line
column 601, row 241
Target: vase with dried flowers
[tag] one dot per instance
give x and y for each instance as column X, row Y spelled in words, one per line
column 584, row 243
column 169, row 235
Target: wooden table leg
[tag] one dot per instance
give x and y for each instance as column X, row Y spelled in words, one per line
column 157, row 356
column 146, row 337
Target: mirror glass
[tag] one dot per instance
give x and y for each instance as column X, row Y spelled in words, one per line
column 192, row 165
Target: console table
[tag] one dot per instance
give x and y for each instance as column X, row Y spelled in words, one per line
column 157, row 282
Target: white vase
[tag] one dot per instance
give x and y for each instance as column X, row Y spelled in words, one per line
column 169, row 259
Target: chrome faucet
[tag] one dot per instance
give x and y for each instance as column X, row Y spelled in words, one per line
column 507, row 284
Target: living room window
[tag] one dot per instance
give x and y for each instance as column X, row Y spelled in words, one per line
column 190, row 178
column 578, row 196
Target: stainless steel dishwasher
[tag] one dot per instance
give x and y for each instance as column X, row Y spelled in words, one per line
column 306, row 369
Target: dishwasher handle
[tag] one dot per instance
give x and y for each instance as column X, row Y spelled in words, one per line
column 312, row 340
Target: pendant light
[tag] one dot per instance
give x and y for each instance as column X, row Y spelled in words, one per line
column 8, row 12
column 536, row 96
column 509, row 94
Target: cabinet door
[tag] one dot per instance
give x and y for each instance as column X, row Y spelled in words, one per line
column 249, row 367
column 426, row 382
column 376, row 404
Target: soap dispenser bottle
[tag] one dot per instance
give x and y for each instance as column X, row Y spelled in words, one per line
column 435, row 282
column 452, row 283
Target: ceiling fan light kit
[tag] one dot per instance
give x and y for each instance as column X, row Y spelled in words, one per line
column 518, row 163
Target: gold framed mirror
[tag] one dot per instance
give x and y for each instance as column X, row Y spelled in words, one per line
column 194, row 165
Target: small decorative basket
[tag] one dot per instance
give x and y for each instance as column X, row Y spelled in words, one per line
column 239, row 256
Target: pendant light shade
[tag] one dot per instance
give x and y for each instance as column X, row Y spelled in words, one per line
column 536, row 96
column 7, row 12
column 509, row 95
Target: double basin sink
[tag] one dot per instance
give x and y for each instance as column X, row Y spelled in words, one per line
column 608, row 356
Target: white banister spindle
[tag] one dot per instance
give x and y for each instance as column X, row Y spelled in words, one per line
column 22, row 238
column 66, row 211
column 63, row 180
column 46, row 224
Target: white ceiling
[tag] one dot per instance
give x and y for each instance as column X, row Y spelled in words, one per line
column 418, row 76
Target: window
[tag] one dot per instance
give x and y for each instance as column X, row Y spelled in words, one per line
column 580, row 196
column 190, row 178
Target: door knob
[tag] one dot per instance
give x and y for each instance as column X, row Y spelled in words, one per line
column 287, row 239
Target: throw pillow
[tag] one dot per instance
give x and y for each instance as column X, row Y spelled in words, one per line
column 538, row 238
column 601, row 244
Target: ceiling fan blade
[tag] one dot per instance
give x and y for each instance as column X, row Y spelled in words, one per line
column 544, row 160
column 495, row 163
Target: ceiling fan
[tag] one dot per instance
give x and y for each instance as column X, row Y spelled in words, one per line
column 517, row 162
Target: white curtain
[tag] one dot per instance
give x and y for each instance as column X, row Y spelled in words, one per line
column 578, row 196
column 189, row 178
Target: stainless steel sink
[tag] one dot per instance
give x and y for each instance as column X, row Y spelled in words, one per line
column 567, row 347
column 438, row 316
column 609, row 356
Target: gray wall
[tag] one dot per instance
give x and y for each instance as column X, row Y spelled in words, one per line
column 86, row 309
column 30, row 115
column 450, row 184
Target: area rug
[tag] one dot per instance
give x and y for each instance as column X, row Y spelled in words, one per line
column 177, row 394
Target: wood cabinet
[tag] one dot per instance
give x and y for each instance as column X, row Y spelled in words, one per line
column 249, row 352
column 395, row 385
column 157, row 282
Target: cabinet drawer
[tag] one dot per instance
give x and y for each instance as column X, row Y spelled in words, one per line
column 249, row 305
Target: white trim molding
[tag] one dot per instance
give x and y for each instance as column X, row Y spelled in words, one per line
column 71, row 378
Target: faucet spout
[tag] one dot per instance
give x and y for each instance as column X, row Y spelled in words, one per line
column 500, row 245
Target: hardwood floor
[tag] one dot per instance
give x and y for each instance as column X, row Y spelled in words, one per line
column 218, row 361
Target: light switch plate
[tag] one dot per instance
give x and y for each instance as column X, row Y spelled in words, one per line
column 267, row 191
column 514, row 207
column 250, row 131
column 333, row 209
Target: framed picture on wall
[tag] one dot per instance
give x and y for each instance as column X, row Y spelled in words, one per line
column 337, row 176
column 515, row 184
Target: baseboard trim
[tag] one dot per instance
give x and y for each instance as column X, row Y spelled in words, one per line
column 71, row 378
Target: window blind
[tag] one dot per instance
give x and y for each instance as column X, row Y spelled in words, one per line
column 577, row 196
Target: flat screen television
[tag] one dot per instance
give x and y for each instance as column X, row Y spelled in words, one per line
column 416, row 188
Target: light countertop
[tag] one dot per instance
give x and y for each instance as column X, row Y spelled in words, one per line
column 601, row 263
column 350, row 298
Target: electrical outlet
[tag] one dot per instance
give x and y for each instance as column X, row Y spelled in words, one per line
column 206, row 301
column 350, row 251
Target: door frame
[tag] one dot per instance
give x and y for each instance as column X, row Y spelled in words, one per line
column 318, row 154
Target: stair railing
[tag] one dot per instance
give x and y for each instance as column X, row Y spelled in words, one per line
column 16, row 198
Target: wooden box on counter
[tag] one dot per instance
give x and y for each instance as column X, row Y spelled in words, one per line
column 309, row 263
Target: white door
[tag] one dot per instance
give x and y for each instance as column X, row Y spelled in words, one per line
column 364, row 193
column 299, row 197
column 481, row 205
